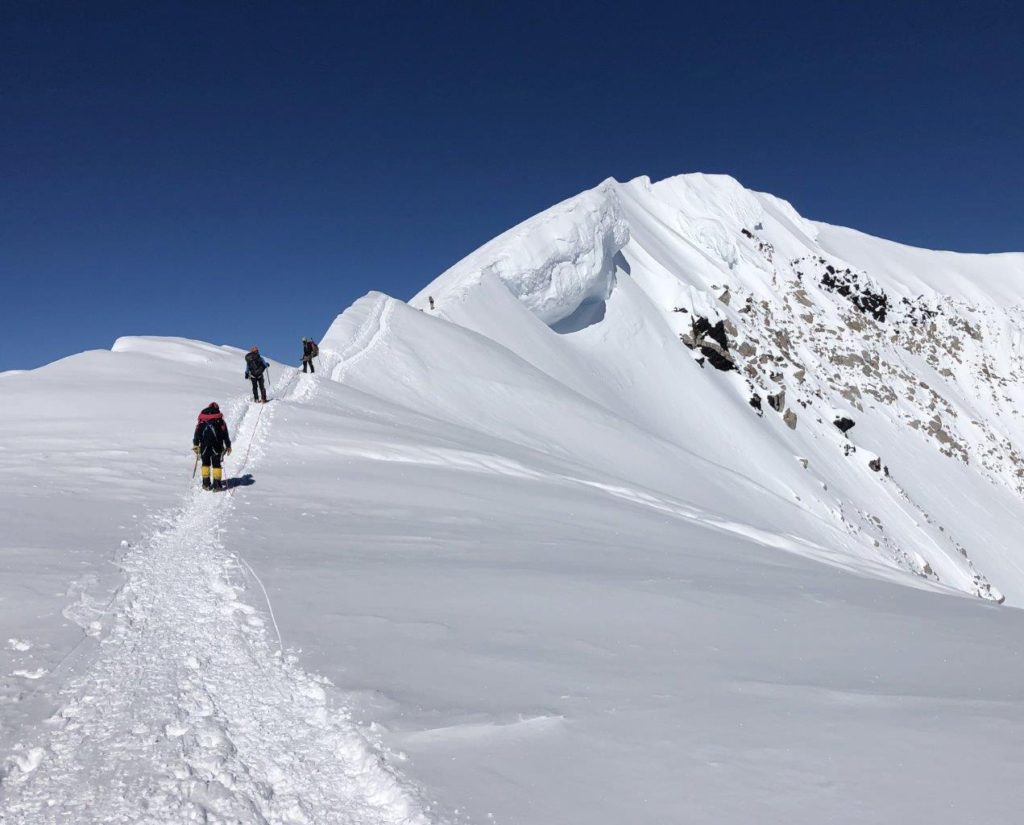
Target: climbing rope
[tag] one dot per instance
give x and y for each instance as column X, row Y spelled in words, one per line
column 252, row 438
column 255, row 428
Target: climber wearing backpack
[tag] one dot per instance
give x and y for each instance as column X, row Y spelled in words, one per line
column 255, row 366
column 309, row 351
column 210, row 442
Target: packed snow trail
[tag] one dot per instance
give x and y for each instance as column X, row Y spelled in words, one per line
column 188, row 713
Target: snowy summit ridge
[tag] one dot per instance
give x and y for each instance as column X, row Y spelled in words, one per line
column 666, row 505
column 556, row 261
column 818, row 322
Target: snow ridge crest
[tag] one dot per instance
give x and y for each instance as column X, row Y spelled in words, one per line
column 566, row 258
column 553, row 263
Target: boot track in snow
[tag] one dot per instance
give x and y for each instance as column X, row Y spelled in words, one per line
column 189, row 711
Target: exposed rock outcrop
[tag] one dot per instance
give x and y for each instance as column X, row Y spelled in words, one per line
column 844, row 424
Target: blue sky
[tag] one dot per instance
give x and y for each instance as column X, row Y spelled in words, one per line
column 241, row 172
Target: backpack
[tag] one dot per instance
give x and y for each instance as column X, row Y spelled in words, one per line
column 314, row 350
column 209, row 434
column 254, row 362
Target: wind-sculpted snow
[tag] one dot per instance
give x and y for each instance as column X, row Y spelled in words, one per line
column 554, row 263
column 653, row 618
column 181, row 350
column 775, row 318
column 353, row 334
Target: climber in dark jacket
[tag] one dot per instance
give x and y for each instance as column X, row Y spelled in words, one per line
column 309, row 351
column 255, row 366
column 210, row 442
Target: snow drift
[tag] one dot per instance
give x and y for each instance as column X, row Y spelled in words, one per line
column 554, row 263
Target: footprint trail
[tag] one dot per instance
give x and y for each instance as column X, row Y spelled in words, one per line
column 190, row 712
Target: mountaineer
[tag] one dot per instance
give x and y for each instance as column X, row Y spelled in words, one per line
column 255, row 366
column 211, row 442
column 309, row 351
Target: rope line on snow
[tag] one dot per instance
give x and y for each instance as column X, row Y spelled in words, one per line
column 256, row 427
column 252, row 438
column 266, row 598
column 240, row 472
column 36, row 689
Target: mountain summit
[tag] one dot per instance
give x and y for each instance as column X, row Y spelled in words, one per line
column 868, row 392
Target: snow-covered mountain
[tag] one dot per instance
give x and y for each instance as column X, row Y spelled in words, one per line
column 667, row 505
column 720, row 321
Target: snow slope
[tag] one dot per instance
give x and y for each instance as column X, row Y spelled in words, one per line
column 531, row 557
column 931, row 383
column 188, row 709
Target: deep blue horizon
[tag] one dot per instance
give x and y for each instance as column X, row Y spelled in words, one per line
column 241, row 174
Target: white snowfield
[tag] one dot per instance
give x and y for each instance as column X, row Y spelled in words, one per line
column 534, row 556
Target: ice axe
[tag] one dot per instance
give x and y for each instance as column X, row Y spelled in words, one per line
column 196, row 465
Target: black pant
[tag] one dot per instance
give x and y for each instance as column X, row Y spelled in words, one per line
column 307, row 361
column 212, row 473
column 258, row 381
